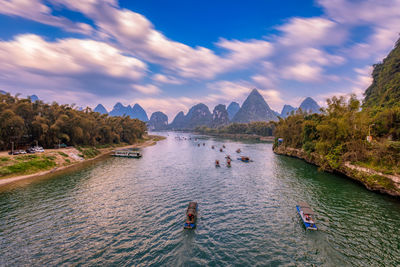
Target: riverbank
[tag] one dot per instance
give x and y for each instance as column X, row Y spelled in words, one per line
column 371, row 179
column 59, row 160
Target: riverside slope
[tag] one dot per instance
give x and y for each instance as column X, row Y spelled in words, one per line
column 106, row 151
column 371, row 179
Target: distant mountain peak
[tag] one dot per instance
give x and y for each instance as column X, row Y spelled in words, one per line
column 254, row 108
column 287, row 110
column 100, row 109
column 178, row 122
column 220, row 116
column 33, row 98
column 232, row 109
column 118, row 105
column 139, row 113
column 309, row 105
column 158, row 121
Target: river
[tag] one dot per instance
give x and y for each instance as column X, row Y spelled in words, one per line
column 130, row 212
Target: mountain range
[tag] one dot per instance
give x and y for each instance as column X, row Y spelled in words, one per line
column 254, row 108
column 307, row 105
column 135, row 112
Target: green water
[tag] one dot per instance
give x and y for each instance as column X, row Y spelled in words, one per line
column 130, row 212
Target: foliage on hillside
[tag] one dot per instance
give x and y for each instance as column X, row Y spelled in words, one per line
column 24, row 122
column 259, row 128
column 385, row 88
column 339, row 134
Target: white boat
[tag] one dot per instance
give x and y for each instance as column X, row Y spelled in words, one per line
column 127, row 154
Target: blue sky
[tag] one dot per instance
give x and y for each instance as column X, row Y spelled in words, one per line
column 170, row 55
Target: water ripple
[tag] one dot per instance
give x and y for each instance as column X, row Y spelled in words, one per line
column 131, row 212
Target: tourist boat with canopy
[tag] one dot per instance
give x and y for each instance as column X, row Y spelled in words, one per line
column 306, row 215
column 191, row 216
column 127, row 154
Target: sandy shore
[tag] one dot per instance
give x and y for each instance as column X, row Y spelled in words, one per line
column 6, row 182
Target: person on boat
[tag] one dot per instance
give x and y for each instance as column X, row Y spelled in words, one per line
column 190, row 219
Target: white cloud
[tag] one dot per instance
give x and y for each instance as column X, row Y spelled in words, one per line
column 137, row 35
column 303, row 72
column 68, row 57
column 166, row 79
column 37, row 11
column 382, row 16
column 147, row 89
column 66, row 66
column 311, row 31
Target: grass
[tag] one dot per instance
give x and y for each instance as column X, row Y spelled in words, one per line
column 386, row 169
column 63, row 154
column 26, row 157
column 88, row 152
column 26, row 165
column 4, row 159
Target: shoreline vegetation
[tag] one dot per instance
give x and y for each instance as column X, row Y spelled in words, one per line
column 372, row 179
column 257, row 131
column 358, row 139
column 55, row 161
column 251, row 137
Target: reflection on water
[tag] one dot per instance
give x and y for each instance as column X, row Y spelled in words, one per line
column 131, row 212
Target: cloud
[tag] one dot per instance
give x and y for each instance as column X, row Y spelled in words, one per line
column 166, row 79
column 73, row 64
column 311, row 31
column 303, row 72
column 147, row 89
column 136, row 35
column 37, row 11
column 68, row 57
column 382, row 17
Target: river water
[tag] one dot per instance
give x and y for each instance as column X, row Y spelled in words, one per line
column 130, row 212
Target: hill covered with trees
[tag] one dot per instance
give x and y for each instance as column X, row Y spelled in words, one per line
column 24, row 122
column 385, row 88
column 336, row 139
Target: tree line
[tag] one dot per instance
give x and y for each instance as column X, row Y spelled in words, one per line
column 340, row 133
column 25, row 122
column 258, row 128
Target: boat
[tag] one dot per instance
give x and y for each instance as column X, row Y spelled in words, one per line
column 191, row 216
column 238, row 150
column 217, row 163
column 244, row 159
column 306, row 215
column 127, row 154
